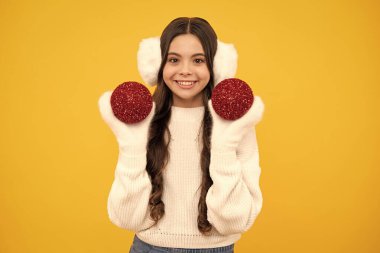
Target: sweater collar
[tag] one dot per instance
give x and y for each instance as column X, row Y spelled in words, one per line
column 187, row 114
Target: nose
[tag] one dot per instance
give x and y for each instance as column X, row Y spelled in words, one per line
column 185, row 69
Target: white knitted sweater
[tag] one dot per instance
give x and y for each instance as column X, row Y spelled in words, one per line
column 233, row 201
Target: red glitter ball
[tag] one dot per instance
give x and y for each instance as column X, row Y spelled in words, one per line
column 232, row 98
column 131, row 102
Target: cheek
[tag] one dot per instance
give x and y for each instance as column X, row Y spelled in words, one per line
column 206, row 74
column 168, row 72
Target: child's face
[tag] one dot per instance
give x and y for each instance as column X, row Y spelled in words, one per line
column 186, row 62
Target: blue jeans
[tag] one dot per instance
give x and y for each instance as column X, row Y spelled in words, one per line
column 140, row 246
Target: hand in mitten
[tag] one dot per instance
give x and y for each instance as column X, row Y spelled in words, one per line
column 227, row 134
column 131, row 137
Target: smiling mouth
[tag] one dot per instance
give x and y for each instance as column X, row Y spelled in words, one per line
column 185, row 83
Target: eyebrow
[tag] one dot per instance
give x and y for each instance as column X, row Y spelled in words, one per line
column 198, row 54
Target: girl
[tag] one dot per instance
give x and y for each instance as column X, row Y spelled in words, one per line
column 186, row 180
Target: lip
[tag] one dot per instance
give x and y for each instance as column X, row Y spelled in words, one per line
column 186, row 87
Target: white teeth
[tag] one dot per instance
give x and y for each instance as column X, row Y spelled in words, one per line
column 185, row 83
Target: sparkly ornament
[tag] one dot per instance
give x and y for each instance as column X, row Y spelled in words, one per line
column 232, row 98
column 131, row 102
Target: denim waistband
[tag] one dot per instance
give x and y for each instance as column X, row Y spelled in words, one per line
column 225, row 249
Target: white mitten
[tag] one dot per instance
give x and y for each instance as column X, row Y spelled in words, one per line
column 132, row 138
column 227, row 134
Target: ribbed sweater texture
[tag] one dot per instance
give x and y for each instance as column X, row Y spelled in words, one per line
column 233, row 201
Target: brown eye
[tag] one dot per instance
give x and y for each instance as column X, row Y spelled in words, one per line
column 172, row 60
column 199, row 60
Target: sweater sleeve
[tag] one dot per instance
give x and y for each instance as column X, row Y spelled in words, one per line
column 235, row 200
column 129, row 196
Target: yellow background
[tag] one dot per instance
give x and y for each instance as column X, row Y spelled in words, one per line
column 314, row 63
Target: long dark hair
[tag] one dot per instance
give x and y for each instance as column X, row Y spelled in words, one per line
column 159, row 134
